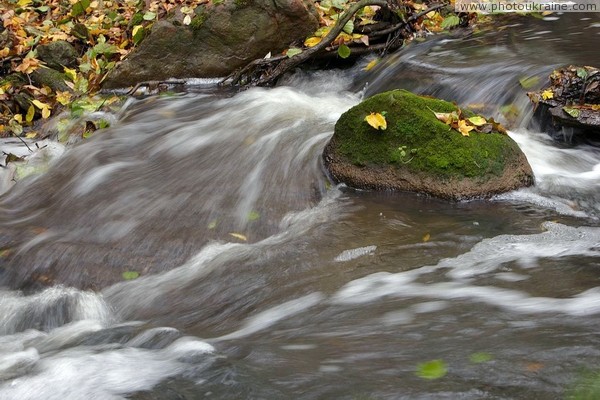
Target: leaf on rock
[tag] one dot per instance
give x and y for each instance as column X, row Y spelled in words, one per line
column 312, row 41
column 464, row 128
column 450, row 21
column 547, row 94
column 344, row 51
column 477, row 120
column 377, row 121
column 292, row 51
column 447, row 118
column 573, row 112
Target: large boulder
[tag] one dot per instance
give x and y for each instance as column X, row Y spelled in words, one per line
column 419, row 153
column 569, row 107
column 220, row 39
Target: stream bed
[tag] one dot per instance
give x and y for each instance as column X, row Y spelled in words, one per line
column 258, row 279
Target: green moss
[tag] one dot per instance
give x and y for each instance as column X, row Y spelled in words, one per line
column 198, row 21
column 241, row 3
column 411, row 123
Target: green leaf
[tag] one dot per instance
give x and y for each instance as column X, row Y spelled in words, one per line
column 79, row 7
column 573, row 112
column 529, row 82
column 349, row 27
column 105, row 48
column 129, row 275
column 138, row 34
column 149, row 16
column 450, row 21
column 253, row 215
column 480, row 357
column 42, row 9
column 477, row 120
column 344, row 51
column 434, row 369
column 293, row 51
column 582, row 73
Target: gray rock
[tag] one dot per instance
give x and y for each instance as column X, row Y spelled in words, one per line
column 220, row 39
column 58, row 55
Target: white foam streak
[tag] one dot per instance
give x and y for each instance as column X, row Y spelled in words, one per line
column 486, row 257
column 273, row 315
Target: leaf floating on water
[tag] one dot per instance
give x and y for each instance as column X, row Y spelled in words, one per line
column 434, row 369
column 534, row 366
column 480, row 357
column 253, row 215
column 351, row 254
column 130, row 275
column 212, row 224
column 529, row 82
column 239, row 236
column 426, row 237
column 371, row 64
column 377, row 121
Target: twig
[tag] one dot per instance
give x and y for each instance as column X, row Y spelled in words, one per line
column 326, row 41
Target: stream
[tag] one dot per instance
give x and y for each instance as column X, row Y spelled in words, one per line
column 258, row 279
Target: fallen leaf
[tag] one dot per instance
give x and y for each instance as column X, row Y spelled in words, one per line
column 426, row 237
column 312, row 41
column 434, row 369
column 464, row 128
column 547, row 94
column 477, row 120
column 377, row 121
column 239, row 236
column 371, row 64
column 129, row 275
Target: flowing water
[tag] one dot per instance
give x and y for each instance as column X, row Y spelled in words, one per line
column 321, row 292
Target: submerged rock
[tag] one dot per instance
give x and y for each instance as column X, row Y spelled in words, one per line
column 419, row 153
column 569, row 108
column 220, row 38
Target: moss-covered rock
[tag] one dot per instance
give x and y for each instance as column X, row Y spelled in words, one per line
column 419, row 153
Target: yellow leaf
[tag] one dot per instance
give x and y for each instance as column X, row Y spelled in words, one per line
column 45, row 112
column 18, row 118
column 4, row 52
column 63, row 98
column 312, row 41
column 377, row 121
column 238, row 236
column 31, row 135
column 464, row 128
column 30, row 114
column 547, row 94
column 39, row 104
column 187, row 20
column 371, row 64
column 24, row 3
column 447, row 118
column 136, row 29
column 71, row 74
column 426, row 237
